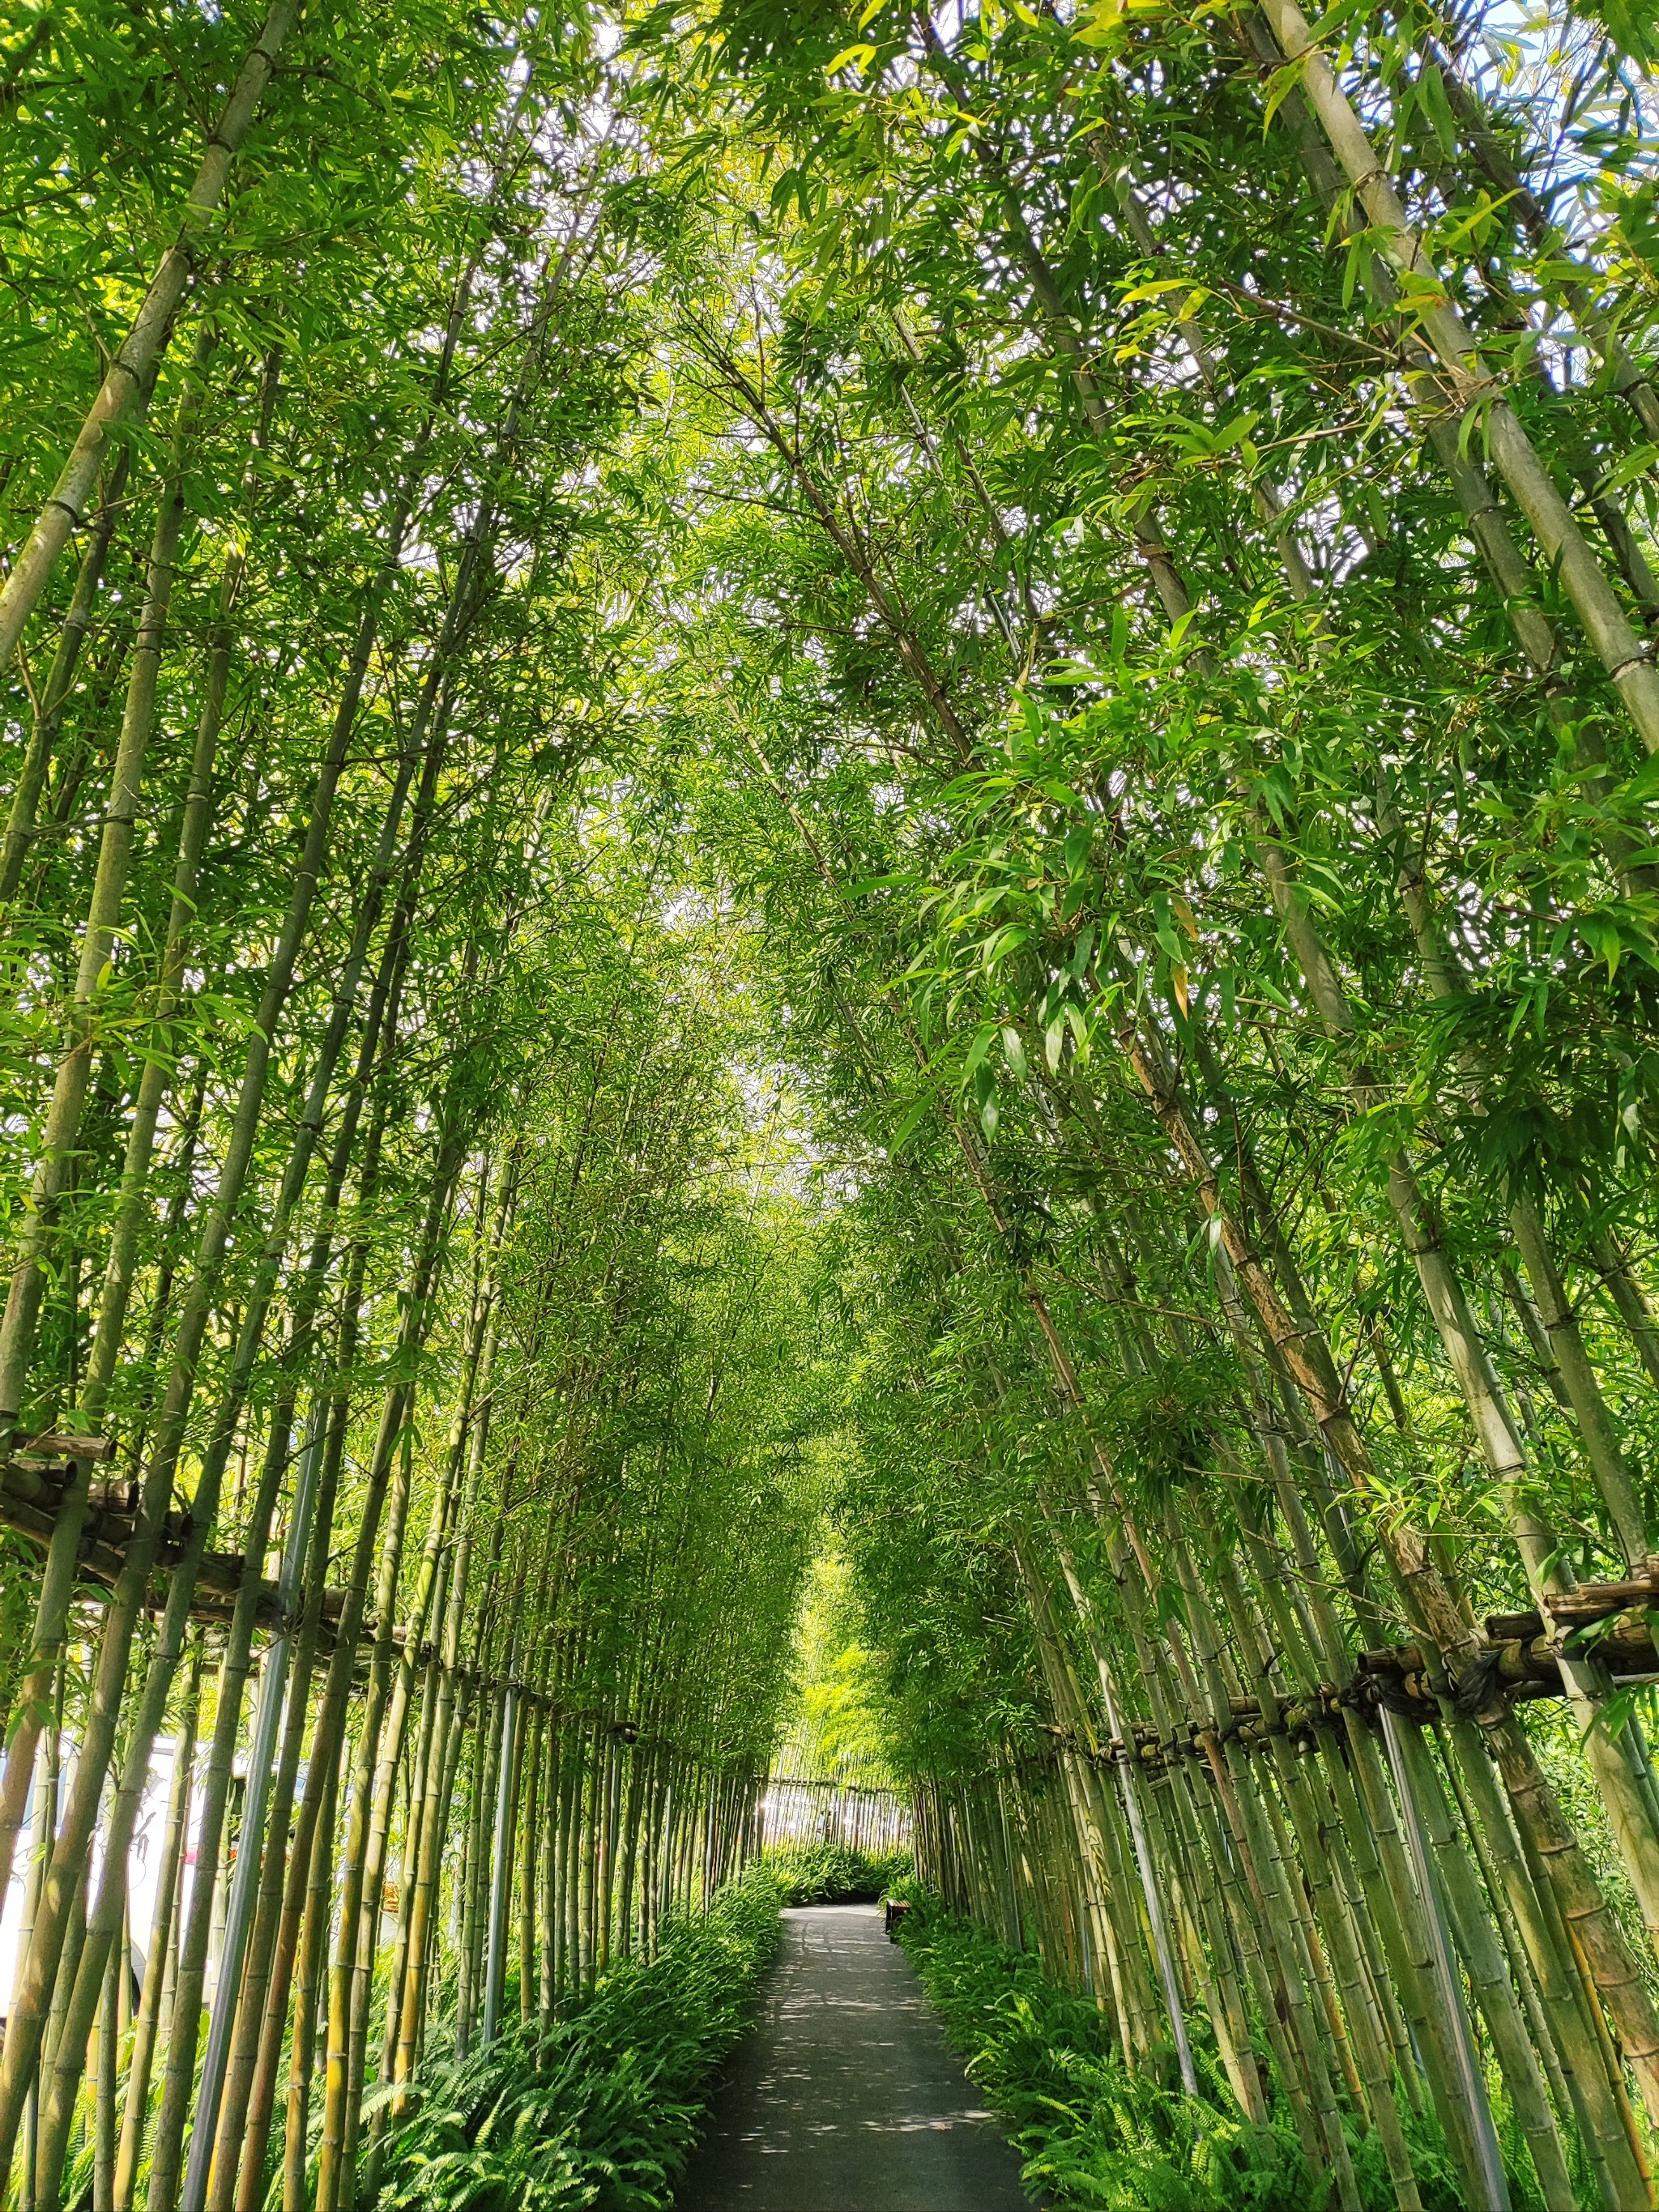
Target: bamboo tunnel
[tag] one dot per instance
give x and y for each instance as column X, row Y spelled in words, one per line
column 831, row 907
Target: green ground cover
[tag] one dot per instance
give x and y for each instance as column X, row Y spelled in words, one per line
column 1095, row 2135
column 600, row 2110
column 830, row 1874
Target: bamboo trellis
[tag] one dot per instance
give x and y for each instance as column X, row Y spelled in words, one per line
column 791, row 1809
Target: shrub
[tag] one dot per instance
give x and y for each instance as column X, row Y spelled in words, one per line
column 830, row 1874
column 601, row 2109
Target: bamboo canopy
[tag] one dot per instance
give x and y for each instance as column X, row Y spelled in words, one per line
column 831, row 966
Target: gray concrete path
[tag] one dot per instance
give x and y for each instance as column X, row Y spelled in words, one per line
column 844, row 2097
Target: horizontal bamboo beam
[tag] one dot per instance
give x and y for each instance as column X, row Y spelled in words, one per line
column 846, row 1789
column 31, row 1497
column 1594, row 1601
column 60, row 1444
column 1519, row 1657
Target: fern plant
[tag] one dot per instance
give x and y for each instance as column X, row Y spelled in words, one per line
column 831, row 1874
column 602, row 2108
column 1095, row 2135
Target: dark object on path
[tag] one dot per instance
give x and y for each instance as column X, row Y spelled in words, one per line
column 845, row 2097
column 897, row 1907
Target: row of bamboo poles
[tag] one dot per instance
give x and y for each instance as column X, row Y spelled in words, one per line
column 448, row 1847
column 1271, row 1395
column 1367, row 1894
column 375, row 1504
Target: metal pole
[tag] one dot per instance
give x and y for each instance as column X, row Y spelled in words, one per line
column 500, row 1873
column 239, row 1910
column 1166, row 1970
column 1495, row 2181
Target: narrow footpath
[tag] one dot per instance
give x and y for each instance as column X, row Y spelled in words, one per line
column 844, row 2096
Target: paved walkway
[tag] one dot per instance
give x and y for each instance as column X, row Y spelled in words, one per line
column 844, row 2096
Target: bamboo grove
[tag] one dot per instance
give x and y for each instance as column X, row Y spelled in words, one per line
column 403, row 1481
column 764, row 763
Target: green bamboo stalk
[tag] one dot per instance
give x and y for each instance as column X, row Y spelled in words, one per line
column 169, row 1874
column 60, row 682
column 131, row 372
